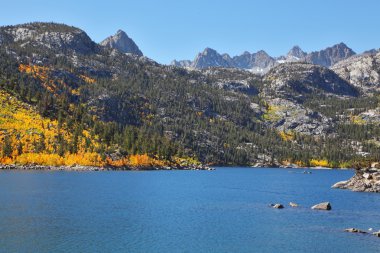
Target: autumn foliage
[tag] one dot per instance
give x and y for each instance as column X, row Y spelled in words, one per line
column 319, row 163
column 28, row 138
column 50, row 83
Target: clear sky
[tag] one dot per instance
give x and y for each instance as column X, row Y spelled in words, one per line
column 178, row 29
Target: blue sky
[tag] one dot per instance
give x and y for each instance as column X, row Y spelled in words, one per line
column 174, row 29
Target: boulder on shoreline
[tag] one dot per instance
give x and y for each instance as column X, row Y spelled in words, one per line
column 326, row 206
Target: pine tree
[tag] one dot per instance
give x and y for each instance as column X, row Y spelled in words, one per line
column 7, row 147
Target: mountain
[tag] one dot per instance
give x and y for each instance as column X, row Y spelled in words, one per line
column 98, row 105
column 363, row 71
column 296, row 53
column 183, row 63
column 261, row 62
column 371, row 51
column 49, row 36
column 330, row 55
column 256, row 62
column 123, row 43
column 299, row 79
column 211, row 58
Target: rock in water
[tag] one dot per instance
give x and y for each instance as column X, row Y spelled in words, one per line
column 277, row 206
column 322, row 206
column 377, row 234
column 292, row 204
column 355, row 230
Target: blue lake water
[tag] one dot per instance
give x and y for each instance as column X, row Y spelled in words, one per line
column 183, row 211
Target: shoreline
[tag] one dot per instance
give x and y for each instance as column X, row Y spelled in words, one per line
column 94, row 168
column 146, row 168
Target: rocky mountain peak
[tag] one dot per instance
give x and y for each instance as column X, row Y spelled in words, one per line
column 209, row 51
column 371, row 51
column 262, row 52
column 330, row 55
column 296, row 52
column 210, row 58
column 121, row 33
column 122, row 42
column 343, row 50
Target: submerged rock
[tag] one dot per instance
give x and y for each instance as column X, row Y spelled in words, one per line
column 355, row 230
column 322, row 206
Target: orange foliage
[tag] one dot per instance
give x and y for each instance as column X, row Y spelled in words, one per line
column 39, row 72
column 85, row 159
column 87, row 79
column 26, row 130
column 40, row 159
column 42, row 73
column 6, row 160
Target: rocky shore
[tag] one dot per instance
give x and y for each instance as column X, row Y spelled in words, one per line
column 364, row 180
column 93, row 168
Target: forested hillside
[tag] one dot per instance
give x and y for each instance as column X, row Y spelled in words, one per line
column 66, row 100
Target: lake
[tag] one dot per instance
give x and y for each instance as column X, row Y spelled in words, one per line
column 225, row 210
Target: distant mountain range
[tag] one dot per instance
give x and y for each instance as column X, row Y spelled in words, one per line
column 261, row 62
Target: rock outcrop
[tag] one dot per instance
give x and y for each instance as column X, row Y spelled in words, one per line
column 304, row 78
column 364, row 180
column 287, row 116
column 362, row 71
column 55, row 37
